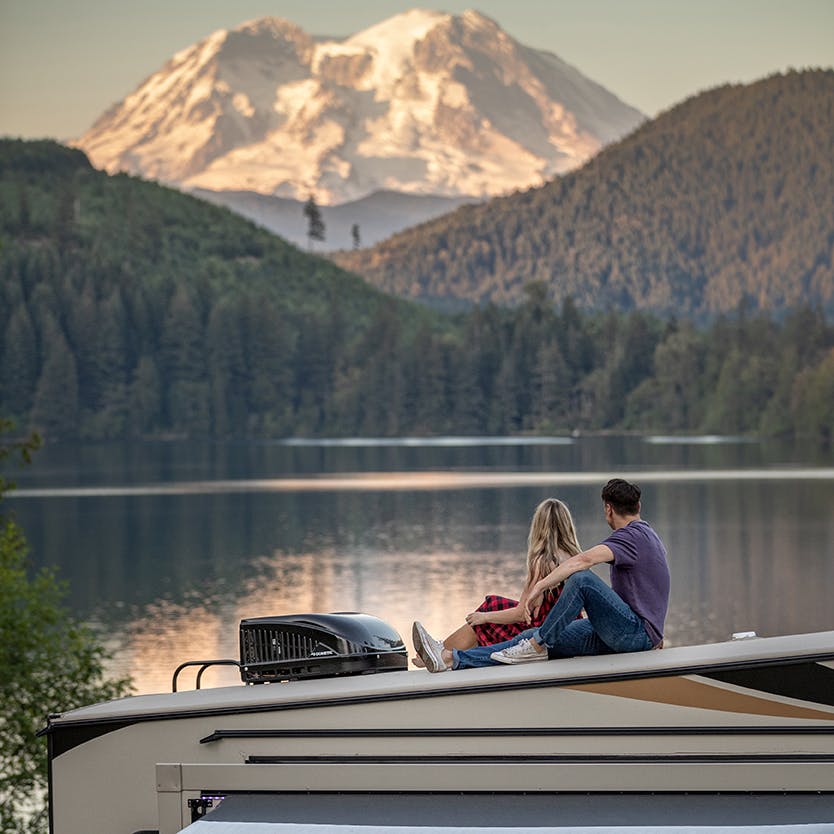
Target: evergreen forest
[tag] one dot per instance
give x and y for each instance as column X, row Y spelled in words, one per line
column 725, row 200
column 131, row 310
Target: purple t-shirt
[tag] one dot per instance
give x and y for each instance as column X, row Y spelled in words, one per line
column 640, row 574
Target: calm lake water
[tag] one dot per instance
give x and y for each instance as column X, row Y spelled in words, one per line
column 167, row 546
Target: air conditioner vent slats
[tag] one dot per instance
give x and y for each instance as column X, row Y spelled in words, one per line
column 317, row 645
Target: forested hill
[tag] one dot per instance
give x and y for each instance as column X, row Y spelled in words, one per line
column 129, row 308
column 726, row 199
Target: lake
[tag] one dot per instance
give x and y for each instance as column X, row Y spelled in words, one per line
column 167, row 546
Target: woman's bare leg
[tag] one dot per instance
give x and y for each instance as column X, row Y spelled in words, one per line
column 463, row 638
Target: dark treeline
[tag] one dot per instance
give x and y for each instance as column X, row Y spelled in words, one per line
column 129, row 310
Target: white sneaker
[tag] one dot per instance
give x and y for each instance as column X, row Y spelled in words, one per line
column 522, row 652
column 429, row 650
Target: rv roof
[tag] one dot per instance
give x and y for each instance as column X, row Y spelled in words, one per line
column 390, row 685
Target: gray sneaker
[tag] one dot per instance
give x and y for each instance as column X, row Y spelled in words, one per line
column 521, row 652
column 429, row 650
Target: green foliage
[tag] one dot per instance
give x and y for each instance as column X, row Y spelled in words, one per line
column 726, row 199
column 204, row 325
column 130, row 309
column 814, row 399
column 48, row 663
column 21, row 449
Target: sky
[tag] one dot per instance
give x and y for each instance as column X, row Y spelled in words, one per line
column 64, row 62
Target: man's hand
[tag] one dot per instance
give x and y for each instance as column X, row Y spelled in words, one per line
column 530, row 602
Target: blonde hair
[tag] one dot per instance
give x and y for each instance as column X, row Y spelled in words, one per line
column 551, row 531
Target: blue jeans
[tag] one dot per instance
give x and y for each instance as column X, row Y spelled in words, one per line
column 611, row 626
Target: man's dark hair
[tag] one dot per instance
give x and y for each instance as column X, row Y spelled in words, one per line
column 623, row 497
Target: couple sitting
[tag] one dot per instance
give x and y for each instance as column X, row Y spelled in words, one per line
column 547, row 621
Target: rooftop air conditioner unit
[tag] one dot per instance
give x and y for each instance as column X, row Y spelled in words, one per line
column 318, row 646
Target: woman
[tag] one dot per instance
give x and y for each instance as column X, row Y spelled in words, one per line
column 551, row 540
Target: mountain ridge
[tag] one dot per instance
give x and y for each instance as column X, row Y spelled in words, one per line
column 725, row 199
column 377, row 216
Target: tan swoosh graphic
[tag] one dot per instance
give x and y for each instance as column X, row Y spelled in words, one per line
column 687, row 692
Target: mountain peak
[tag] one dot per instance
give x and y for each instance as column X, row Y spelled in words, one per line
column 405, row 27
column 278, row 27
column 424, row 102
column 476, row 19
column 268, row 22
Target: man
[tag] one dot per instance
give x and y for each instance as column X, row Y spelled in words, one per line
column 627, row 617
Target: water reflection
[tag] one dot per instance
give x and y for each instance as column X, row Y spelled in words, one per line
column 170, row 575
column 394, row 586
column 418, row 481
column 124, row 464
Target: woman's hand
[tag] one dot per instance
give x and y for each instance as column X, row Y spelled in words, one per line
column 476, row 618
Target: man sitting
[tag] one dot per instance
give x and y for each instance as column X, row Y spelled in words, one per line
column 627, row 617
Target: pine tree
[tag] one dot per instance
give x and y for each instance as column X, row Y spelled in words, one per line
column 19, row 370
column 269, row 342
column 145, row 399
column 814, row 400
column 228, row 372
column 315, row 224
column 550, row 388
column 55, row 407
column 183, row 349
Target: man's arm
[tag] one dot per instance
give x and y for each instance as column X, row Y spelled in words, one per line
column 596, row 555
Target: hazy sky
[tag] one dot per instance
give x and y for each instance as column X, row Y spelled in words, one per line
column 63, row 62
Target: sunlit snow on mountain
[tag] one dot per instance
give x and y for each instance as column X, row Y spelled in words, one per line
column 424, row 103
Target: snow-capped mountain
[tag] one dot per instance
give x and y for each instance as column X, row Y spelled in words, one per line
column 422, row 103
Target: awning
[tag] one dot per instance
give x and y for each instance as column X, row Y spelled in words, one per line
column 453, row 813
